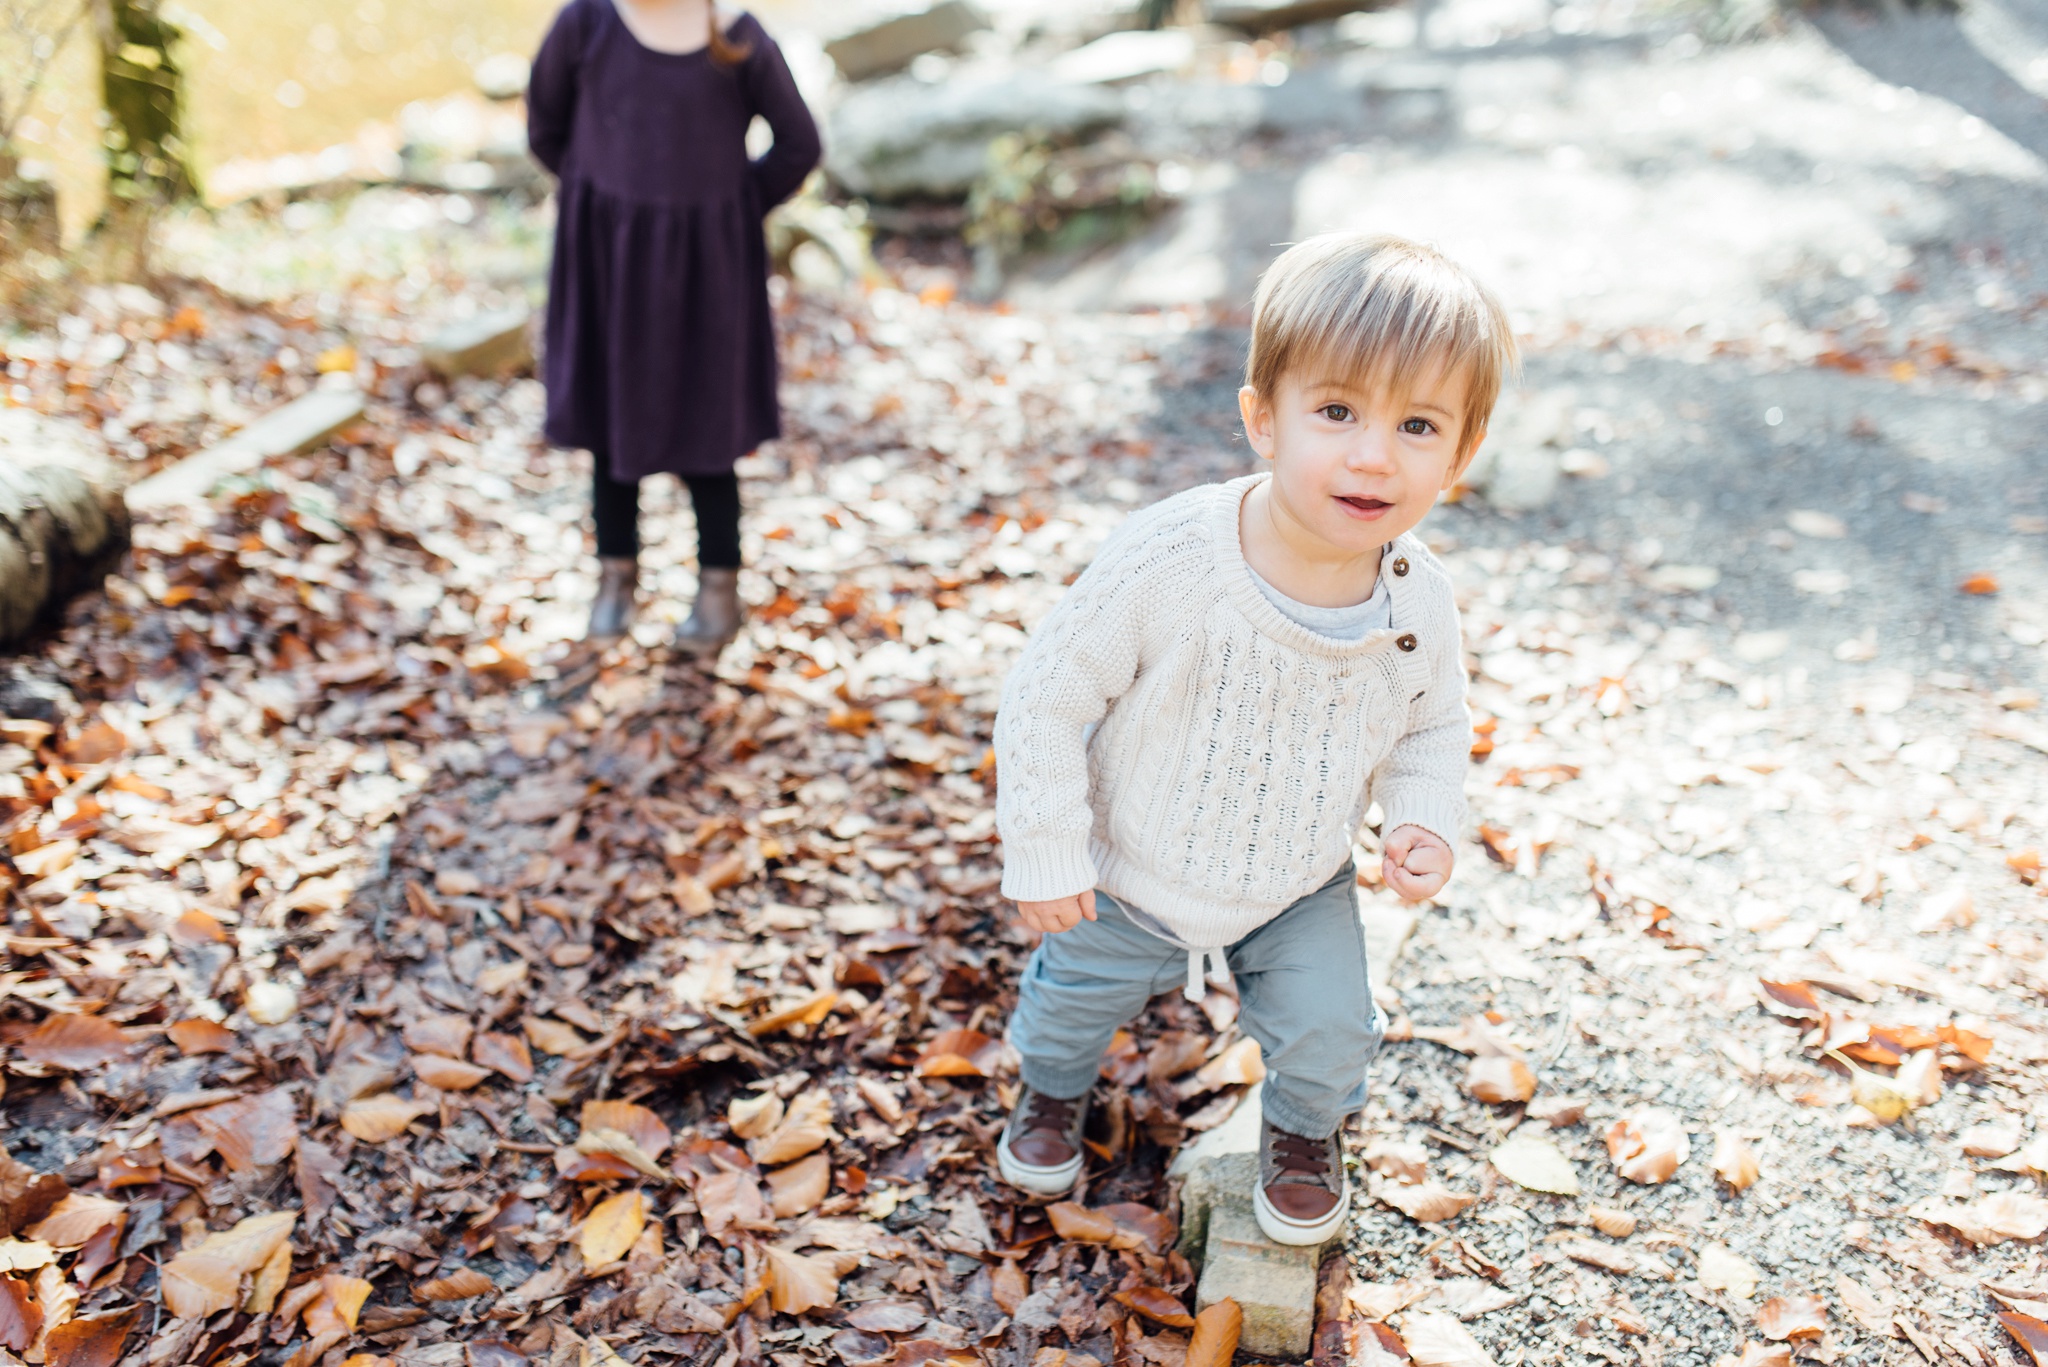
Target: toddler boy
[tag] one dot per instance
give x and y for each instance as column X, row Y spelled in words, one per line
column 1194, row 733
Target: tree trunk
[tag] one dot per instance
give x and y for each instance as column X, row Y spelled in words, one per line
column 63, row 525
column 142, row 88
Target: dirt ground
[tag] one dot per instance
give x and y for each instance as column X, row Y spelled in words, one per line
column 589, row 1006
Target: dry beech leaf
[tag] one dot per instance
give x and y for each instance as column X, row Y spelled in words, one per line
column 800, row 1186
column 1864, row 1306
column 1535, row 1163
column 447, row 1035
column 21, row 1319
column 636, row 1122
column 1616, row 1224
column 753, row 1116
column 19, row 1255
column 459, row 1285
column 1792, row 1317
column 1384, row 1300
column 75, row 1043
column 75, row 1219
column 201, row 1036
column 1993, row 1139
column 1648, row 1146
column 1993, row 1220
column 2029, row 1333
column 551, row 1036
column 1734, row 1161
column 383, row 1117
column 1217, row 1329
column 726, row 1199
column 887, row 1317
column 1009, row 1286
column 960, row 1053
column 1435, row 1339
column 340, row 1302
column 445, row 1074
column 1238, row 1066
column 805, row 1127
column 1428, row 1202
column 809, row 1011
column 1159, row 1306
column 208, row 1279
column 1401, row 1159
column 1723, row 1269
column 251, row 1132
column 1888, row 1098
column 504, row 1054
column 1123, row 1225
column 91, row 1340
column 798, row 1283
column 610, row 1149
column 1497, row 1080
column 611, row 1227
column 267, row 1281
column 1760, row 1355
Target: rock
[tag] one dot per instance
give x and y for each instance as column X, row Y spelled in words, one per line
column 903, row 139
column 1517, row 468
column 62, row 521
column 485, row 344
column 822, row 246
column 1273, row 1284
column 1127, row 56
column 270, row 1003
column 890, row 45
column 300, row 425
column 1270, row 16
column 502, row 76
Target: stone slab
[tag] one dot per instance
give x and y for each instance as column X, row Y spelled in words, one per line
column 300, row 425
column 483, row 345
column 1273, row 1284
column 891, row 44
column 1270, row 16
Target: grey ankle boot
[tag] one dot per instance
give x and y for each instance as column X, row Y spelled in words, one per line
column 715, row 617
column 612, row 611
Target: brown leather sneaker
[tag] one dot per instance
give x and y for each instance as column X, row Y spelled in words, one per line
column 1040, row 1150
column 1303, row 1195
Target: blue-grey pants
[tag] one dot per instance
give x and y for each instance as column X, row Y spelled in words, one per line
column 1301, row 985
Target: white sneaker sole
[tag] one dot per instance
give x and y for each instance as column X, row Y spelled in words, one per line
column 1054, row 1181
column 1297, row 1233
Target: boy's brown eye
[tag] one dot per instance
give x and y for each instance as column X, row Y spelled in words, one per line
column 1336, row 412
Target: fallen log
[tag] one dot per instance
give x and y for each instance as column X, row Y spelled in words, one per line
column 63, row 525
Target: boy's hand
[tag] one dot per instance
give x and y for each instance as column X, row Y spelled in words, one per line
column 1417, row 863
column 1062, row 913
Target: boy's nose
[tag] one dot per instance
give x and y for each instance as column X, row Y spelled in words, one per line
column 1373, row 453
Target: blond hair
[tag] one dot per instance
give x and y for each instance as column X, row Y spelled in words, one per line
column 1382, row 312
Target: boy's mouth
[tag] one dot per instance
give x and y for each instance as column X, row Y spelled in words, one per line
column 1363, row 507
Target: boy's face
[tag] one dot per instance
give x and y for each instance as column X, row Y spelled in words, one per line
column 1351, row 466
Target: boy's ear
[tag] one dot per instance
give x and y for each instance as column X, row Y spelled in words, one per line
column 1258, row 421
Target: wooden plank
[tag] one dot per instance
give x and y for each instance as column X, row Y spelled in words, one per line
column 300, row 425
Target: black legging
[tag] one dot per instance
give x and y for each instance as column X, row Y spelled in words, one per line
column 616, row 506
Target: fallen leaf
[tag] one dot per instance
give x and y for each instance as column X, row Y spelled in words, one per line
column 1792, row 1317
column 378, row 1119
column 887, row 1316
column 551, row 1036
column 1648, row 1146
column 1123, row 1225
column 76, row 1043
column 267, row 1281
column 459, row 1285
column 1435, row 1339
column 207, row 1279
column 198, row 1035
column 1759, row 1355
column 800, row 1186
column 251, row 1132
column 504, row 1054
column 443, row 1034
column 611, row 1227
column 806, row 1126
column 1535, row 1163
column 1498, row 1080
column 726, row 1199
column 960, row 1053
column 1980, row 584
column 336, row 1308
column 1384, row 1300
column 1889, row 1098
column 92, row 1340
column 1162, row 1307
column 1792, row 999
column 1734, row 1161
column 1993, row 1220
column 1402, row 1159
column 1238, row 1066
column 1864, row 1306
column 1974, row 1047
column 21, row 1319
column 19, row 1255
column 447, row 1074
column 1428, row 1202
column 798, row 1283
column 1605, row 1256
column 2029, row 1333
column 809, row 1011
column 1992, row 1139
column 637, row 1123
column 75, row 1219
column 1723, row 1269
column 1008, row 1286
column 1616, row 1224
column 753, row 1116
column 1214, row 1340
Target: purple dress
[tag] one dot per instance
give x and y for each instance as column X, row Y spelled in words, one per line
column 660, row 349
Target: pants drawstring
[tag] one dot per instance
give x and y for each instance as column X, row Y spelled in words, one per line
column 1205, row 963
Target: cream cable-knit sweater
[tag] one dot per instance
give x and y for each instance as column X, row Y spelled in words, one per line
column 1236, row 751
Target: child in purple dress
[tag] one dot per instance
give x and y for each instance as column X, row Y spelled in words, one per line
column 660, row 350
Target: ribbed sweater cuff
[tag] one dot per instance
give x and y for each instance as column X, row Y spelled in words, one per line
column 1441, row 814
column 1044, row 870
